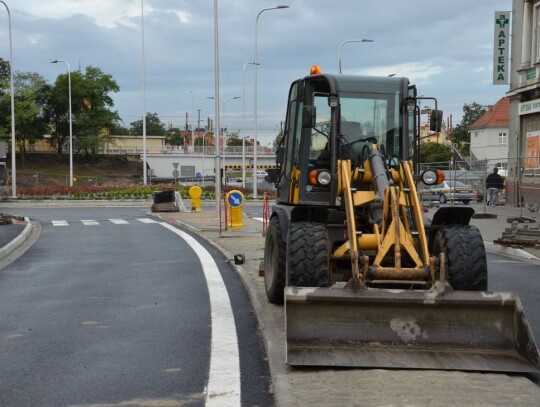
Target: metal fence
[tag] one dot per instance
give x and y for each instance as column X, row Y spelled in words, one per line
column 521, row 174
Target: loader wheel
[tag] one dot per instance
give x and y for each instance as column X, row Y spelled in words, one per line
column 308, row 255
column 275, row 251
column 466, row 265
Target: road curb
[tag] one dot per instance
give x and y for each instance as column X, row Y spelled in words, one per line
column 510, row 252
column 15, row 243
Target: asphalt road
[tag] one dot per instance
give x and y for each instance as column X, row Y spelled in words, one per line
column 506, row 274
column 118, row 311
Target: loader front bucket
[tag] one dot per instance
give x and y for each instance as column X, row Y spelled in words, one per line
column 404, row 329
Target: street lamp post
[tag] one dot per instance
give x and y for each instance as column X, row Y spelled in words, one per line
column 143, row 83
column 244, row 122
column 219, row 130
column 345, row 42
column 216, row 106
column 255, row 99
column 203, row 169
column 70, row 121
column 13, row 142
column 192, row 119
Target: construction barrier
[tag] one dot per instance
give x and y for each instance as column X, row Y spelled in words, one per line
column 235, row 202
column 195, row 193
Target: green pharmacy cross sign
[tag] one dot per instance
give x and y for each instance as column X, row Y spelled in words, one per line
column 502, row 21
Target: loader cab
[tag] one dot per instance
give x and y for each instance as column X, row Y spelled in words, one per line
column 331, row 117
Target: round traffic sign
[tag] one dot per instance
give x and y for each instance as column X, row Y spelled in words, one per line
column 235, row 199
column 175, row 173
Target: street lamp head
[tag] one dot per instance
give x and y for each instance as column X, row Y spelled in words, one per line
column 282, row 6
column 55, row 61
column 366, row 40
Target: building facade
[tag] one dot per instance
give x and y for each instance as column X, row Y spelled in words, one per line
column 489, row 135
column 523, row 180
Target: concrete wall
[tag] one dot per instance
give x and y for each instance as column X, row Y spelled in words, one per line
column 163, row 165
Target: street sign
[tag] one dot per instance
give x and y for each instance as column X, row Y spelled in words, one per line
column 175, row 173
column 235, row 199
column 501, row 48
column 175, row 165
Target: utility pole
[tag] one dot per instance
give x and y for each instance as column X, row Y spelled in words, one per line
column 199, row 123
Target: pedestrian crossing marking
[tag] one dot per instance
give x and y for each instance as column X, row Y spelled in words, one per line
column 93, row 222
column 119, row 221
column 146, row 220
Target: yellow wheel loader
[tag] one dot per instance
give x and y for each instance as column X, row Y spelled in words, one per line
column 365, row 279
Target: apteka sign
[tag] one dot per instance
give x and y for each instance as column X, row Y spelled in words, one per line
column 501, row 47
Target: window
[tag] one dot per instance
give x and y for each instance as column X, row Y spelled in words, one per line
column 502, row 138
column 475, row 134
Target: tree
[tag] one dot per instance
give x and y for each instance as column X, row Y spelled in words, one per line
column 153, row 126
column 4, row 74
column 278, row 139
column 174, row 138
column 119, row 130
column 94, row 117
column 435, row 152
column 471, row 113
column 90, row 105
column 30, row 94
column 5, row 103
column 234, row 139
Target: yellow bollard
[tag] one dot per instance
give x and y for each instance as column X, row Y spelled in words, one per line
column 235, row 202
column 195, row 193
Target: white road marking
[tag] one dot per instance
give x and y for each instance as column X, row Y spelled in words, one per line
column 146, row 220
column 93, row 222
column 119, row 221
column 259, row 219
column 89, row 222
column 223, row 387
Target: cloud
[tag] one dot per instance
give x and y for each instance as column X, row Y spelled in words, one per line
column 444, row 48
column 415, row 71
column 105, row 13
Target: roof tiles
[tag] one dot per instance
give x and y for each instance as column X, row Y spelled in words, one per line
column 497, row 116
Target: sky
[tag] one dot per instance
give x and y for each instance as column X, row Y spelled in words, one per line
column 444, row 47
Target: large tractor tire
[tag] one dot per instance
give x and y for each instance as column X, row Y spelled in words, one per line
column 275, row 255
column 308, row 255
column 466, row 265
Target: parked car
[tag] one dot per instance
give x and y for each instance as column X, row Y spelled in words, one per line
column 449, row 191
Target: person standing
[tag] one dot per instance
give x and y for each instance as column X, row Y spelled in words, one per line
column 494, row 183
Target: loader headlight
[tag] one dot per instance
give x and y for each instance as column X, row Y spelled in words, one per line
column 432, row 177
column 324, row 177
column 320, row 177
